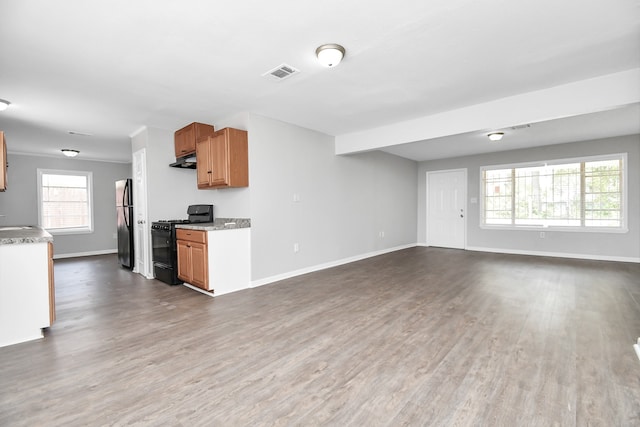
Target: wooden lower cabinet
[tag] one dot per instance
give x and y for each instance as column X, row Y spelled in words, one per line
column 193, row 257
column 52, row 288
column 218, row 261
column 200, row 274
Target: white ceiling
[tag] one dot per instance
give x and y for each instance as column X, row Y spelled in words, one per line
column 109, row 68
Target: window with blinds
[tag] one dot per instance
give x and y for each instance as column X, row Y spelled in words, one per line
column 585, row 193
column 65, row 201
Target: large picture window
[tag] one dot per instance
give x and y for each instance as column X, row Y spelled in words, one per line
column 578, row 194
column 64, row 201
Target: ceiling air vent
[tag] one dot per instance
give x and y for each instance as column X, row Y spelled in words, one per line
column 281, row 72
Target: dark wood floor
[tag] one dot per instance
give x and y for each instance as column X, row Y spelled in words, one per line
column 422, row 336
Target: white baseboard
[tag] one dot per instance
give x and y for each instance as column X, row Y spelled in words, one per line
column 555, row 254
column 80, row 254
column 288, row 275
column 197, row 289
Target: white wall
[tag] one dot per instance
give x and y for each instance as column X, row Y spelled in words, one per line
column 19, row 203
column 345, row 201
column 614, row 246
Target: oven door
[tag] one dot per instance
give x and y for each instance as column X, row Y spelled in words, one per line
column 162, row 245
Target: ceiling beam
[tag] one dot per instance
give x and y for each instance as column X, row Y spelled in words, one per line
column 568, row 100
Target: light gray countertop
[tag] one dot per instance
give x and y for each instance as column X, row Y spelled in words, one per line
column 218, row 224
column 16, row 234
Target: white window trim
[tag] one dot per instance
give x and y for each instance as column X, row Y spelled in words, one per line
column 67, row 231
column 625, row 184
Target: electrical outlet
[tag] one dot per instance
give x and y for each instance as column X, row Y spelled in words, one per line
column 296, row 247
column 381, row 234
column 542, row 235
column 296, row 197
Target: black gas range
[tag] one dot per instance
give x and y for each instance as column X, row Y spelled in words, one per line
column 163, row 240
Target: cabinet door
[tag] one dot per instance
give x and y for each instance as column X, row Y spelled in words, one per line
column 199, row 265
column 219, row 160
column 185, row 141
column 223, row 159
column 184, row 260
column 203, row 165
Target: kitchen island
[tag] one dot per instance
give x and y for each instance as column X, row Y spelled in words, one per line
column 27, row 295
column 215, row 257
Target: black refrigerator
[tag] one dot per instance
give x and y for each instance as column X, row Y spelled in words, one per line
column 124, row 210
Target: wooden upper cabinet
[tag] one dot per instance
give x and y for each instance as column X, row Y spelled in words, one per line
column 223, row 159
column 3, row 162
column 185, row 138
column 203, row 167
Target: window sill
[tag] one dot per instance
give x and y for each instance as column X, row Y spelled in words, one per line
column 620, row 230
column 68, row 231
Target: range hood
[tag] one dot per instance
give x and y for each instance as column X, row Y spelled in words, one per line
column 186, row 162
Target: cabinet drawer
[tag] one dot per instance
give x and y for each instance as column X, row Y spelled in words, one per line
column 191, row 235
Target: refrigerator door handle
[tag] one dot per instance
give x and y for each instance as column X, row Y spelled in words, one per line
column 127, row 220
column 125, row 213
column 124, row 193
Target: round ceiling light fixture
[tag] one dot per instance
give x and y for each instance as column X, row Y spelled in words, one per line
column 69, row 152
column 4, row 104
column 330, row 55
column 495, row 136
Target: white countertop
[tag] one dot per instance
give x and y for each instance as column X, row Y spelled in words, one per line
column 218, row 224
column 16, row 234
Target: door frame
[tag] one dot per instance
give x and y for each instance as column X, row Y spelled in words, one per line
column 142, row 237
column 466, row 204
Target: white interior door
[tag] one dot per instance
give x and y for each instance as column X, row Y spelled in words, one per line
column 446, row 208
column 142, row 237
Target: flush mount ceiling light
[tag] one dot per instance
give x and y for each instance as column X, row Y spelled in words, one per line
column 4, row 104
column 495, row 136
column 330, row 55
column 70, row 153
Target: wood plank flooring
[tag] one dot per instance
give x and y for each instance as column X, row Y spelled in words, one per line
column 419, row 337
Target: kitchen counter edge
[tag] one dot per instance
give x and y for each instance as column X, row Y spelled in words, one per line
column 33, row 234
column 218, row 224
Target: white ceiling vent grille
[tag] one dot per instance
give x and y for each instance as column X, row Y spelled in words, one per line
column 281, row 72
